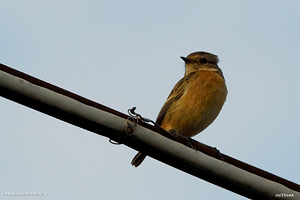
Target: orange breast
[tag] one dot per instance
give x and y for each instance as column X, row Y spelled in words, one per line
column 199, row 106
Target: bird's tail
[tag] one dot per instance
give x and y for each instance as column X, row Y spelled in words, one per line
column 138, row 159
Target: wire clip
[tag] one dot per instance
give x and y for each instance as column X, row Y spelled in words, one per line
column 133, row 120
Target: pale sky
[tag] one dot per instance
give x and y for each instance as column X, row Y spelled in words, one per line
column 127, row 53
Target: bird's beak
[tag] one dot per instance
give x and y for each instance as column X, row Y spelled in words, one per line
column 185, row 59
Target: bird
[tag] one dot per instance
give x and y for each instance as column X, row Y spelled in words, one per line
column 195, row 101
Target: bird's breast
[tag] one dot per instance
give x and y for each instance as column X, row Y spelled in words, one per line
column 200, row 104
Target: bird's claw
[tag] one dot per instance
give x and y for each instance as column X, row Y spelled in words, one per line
column 218, row 153
column 190, row 143
column 176, row 133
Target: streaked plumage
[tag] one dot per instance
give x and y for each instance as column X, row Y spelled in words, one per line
column 195, row 101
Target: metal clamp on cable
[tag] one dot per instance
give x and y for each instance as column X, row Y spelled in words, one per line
column 133, row 118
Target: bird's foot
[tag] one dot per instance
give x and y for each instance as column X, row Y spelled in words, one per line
column 218, row 153
column 190, row 143
column 189, row 140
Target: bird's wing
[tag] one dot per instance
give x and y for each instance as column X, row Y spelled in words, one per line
column 175, row 94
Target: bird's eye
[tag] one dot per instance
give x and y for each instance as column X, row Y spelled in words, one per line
column 203, row 60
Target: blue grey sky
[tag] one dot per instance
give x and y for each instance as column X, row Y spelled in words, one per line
column 127, row 53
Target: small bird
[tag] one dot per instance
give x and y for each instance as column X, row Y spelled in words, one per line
column 195, row 101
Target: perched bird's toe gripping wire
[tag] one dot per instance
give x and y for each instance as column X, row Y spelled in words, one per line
column 190, row 143
column 218, row 153
column 175, row 133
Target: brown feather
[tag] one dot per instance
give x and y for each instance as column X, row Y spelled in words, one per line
column 175, row 95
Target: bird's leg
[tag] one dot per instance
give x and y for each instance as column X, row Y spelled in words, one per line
column 189, row 140
column 190, row 143
column 216, row 152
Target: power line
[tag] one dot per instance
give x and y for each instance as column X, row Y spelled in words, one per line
column 205, row 163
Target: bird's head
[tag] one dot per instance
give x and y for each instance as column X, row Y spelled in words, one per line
column 201, row 61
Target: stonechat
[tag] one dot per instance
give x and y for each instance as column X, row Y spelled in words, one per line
column 195, row 101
